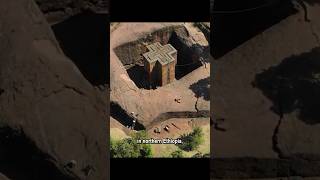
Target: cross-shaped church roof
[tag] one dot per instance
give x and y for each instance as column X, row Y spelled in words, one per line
column 160, row 53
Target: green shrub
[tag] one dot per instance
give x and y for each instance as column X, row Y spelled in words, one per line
column 197, row 155
column 191, row 141
column 129, row 148
column 177, row 154
column 145, row 149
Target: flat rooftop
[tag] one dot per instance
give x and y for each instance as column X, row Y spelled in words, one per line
column 157, row 52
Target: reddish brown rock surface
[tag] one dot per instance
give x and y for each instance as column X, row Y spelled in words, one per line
column 266, row 91
column 58, row 10
column 50, row 115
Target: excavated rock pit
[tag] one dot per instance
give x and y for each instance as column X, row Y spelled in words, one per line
column 83, row 39
column 125, row 119
column 130, row 54
column 237, row 22
column 157, row 106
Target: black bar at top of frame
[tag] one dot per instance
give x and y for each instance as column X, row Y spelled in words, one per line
column 160, row 11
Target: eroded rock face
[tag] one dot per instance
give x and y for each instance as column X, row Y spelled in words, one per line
column 3, row 177
column 268, row 93
column 57, row 10
column 53, row 114
column 83, row 38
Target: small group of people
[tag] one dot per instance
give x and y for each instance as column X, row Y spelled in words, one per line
column 203, row 62
column 177, row 100
column 134, row 120
column 166, row 128
column 158, row 130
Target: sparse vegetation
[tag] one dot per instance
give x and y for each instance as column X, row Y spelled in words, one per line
column 192, row 141
column 129, row 148
column 200, row 155
column 177, row 154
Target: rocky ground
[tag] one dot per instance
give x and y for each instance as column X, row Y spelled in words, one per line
column 157, row 105
column 58, row 10
column 266, row 94
column 52, row 119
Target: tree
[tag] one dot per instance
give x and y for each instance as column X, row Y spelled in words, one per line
column 124, row 148
column 191, row 141
column 177, row 154
column 129, row 148
column 145, row 149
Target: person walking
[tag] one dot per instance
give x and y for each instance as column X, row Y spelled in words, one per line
column 134, row 120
